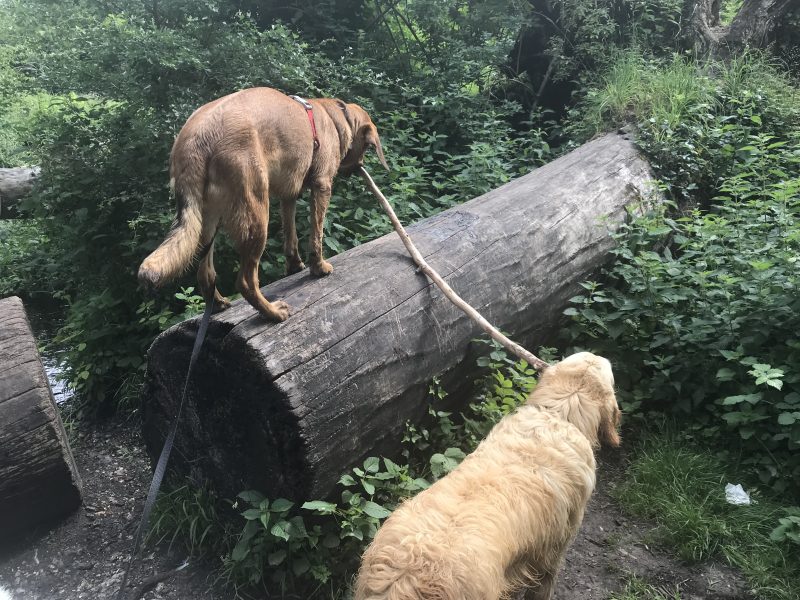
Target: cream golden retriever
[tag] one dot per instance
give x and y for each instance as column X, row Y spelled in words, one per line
column 502, row 520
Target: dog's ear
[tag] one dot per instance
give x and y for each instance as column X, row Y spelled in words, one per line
column 370, row 138
column 343, row 108
column 609, row 423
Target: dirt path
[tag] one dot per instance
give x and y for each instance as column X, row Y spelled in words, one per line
column 611, row 547
column 83, row 557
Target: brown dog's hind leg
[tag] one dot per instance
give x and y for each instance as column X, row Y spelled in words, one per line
column 250, row 243
column 207, row 276
column 320, row 197
column 294, row 263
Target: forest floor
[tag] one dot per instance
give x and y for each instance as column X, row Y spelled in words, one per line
column 84, row 556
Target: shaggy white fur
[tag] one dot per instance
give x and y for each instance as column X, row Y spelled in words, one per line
column 5, row 594
column 502, row 520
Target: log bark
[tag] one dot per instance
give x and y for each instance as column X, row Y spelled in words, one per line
column 15, row 184
column 39, row 481
column 287, row 408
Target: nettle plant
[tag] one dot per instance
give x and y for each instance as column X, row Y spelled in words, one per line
column 706, row 325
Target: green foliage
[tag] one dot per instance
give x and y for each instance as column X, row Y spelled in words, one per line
column 788, row 529
column 637, row 588
column 118, row 86
column 703, row 325
column 691, row 118
column 682, row 488
column 188, row 515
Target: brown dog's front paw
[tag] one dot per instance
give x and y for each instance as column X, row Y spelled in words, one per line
column 294, row 267
column 279, row 311
column 321, row 269
column 221, row 304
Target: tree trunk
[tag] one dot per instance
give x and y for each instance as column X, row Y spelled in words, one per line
column 14, row 185
column 287, row 408
column 38, row 478
column 753, row 26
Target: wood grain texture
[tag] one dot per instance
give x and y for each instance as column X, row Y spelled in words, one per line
column 286, row 408
column 38, row 478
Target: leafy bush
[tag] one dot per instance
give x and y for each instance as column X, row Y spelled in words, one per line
column 704, row 325
column 103, row 144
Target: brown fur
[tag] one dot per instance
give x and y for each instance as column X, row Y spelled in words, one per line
column 502, row 520
column 231, row 156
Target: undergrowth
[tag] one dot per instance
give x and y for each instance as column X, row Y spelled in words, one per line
column 699, row 310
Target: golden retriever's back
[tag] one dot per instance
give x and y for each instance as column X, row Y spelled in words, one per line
column 514, row 502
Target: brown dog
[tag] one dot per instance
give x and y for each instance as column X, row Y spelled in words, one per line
column 229, row 158
column 502, row 520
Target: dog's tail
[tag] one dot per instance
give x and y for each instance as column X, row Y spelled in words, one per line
column 177, row 251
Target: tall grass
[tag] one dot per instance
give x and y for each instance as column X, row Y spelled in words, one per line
column 660, row 96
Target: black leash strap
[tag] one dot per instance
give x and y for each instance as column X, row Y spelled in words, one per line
column 161, row 466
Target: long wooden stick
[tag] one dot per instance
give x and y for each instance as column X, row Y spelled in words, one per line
column 513, row 347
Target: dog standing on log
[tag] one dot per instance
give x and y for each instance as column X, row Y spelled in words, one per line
column 231, row 156
column 502, row 520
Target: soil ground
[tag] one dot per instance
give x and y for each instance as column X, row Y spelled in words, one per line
column 83, row 557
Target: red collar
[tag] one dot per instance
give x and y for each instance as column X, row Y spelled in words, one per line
column 310, row 112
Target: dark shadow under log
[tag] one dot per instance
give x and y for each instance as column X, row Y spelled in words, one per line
column 286, row 408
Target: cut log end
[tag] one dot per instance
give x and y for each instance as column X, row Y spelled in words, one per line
column 39, row 481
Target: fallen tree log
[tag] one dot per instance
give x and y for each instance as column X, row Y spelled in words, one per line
column 15, row 184
column 286, row 408
column 38, row 478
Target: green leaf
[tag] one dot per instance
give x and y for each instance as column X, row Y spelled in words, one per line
column 347, row 480
column 725, row 374
column 372, row 464
column 281, row 505
column 252, row 514
column 251, row 496
column 751, row 398
column 276, row 558
column 375, row 510
column 300, row 565
column 368, row 487
column 321, row 506
column 281, row 530
column 788, row 418
column 240, row 550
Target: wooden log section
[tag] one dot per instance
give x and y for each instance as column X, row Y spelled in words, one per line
column 15, row 184
column 38, row 478
column 287, row 408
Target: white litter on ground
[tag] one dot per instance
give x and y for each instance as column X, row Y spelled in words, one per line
column 735, row 494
